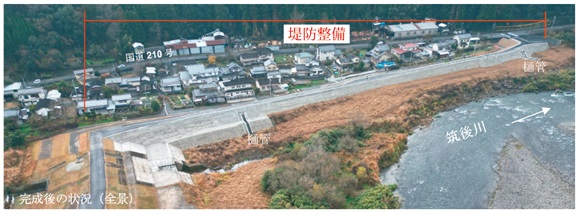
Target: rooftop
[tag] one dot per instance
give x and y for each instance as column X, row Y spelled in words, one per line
column 81, row 71
column 403, row 27
column 170, row 81
column 93, row 103
column 13, row 86
column 121, row 97
column 426, row 25
column 328, row 48
column 304, row 55
column 29, row 91
column 237, row 82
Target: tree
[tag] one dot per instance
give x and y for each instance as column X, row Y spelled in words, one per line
column 211, row 59
column 374, row 41
column 155, row 106
column 378, row 197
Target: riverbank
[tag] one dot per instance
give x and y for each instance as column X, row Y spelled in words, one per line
column 390, row 113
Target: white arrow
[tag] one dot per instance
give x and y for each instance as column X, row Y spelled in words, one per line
column 544, row 110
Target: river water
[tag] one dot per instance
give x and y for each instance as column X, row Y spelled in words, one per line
column 439, row 171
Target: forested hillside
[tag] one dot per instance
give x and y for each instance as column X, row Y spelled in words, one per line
column 41, row 40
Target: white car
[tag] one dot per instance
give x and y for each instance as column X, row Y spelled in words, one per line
column 121, row 66
column 37, row 81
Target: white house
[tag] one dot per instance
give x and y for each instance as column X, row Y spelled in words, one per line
column 303, row 58
column 462, row 40
column 325, row 53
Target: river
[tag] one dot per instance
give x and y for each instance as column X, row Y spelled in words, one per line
column 440, row 171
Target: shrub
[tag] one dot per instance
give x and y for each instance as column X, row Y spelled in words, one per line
column 377, row 197
column 155, row 106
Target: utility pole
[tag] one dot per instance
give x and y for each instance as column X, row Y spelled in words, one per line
column 553, row 23
column 492, row 29
column 23, row 82
column 475, row 45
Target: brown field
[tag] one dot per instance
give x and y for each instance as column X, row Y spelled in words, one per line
column 30, row 170
column 114, row 187
column 84, row 142
column 146, row 197
column 381, row 104
column 10, row 105
column 108, row 144
column 233, row 190
column 60, row 145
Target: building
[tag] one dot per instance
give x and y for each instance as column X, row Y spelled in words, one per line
column 11, row 91
column 238, row 90
column 101, row 106
column 269, row 86
column 208, row 93
column 213, row 42
column 326, row 53
column 303, row 58
column 257, row 56
column 270, row 65
column 258, row 72
column 121, row 101
column 232, row 71
column 80, row 75
column 170, row 85
column 413, row 30
column 462, row 40
column 150, row 71
column 138, row 48
column 44, row 106
column 30, row 96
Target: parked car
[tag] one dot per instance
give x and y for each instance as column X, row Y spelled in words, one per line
column 37, row 81
column 121, row 66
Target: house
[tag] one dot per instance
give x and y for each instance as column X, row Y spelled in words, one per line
column 146, row 84
column 304, row 72
column 53, row 95
column 427, row 28
column 101, row 106
column 197, row 73
column 80, row 75
column 376, row 58
column 256, row 57
column 382, row 48
column 439, row 50
column 133, row 83
column 44, row 106
column 30, row 96
column 113, row 81
column 462, row 40
column 270, row 65
column 303, row 58
column 11, row 91
column 401, row 54
column 232, row 71
column 238, row 90
column 150, row 71
column 409, row 46
column 285, row 71
column 250, row 58
column 208, row 93
column 138, row 48
column 170, row 85
column 325, row 53
column 258, row 72
column 274, row 74
column 121, row 101
column 413, row 30
column 270, row 86
column 355, row 59
column 344, row 61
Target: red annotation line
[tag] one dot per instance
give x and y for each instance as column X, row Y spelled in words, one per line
column 312, row 20
column 85, row 20
column 85, row 61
